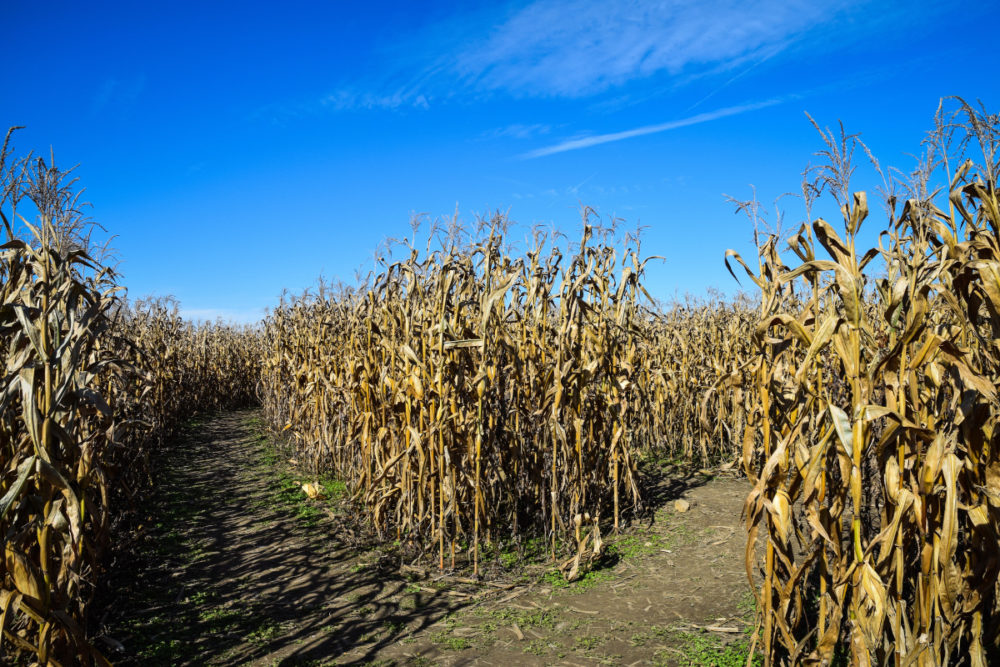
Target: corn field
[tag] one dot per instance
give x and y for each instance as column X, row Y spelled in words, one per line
column 872, row 408
column 91, row 386
column 472, row 394
column 469, row 394
column 687, row 350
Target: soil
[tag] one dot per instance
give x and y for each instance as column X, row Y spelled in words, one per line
column 235, row 565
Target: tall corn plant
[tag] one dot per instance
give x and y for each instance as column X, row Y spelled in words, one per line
column 187, row 368
column 54, row 302
column 468, row 394
column 89, row 386
column 870, row 444
column 692, row 358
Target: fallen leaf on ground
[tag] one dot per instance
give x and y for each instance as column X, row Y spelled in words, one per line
column 313, row 491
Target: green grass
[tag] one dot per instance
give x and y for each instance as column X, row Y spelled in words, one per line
column 705, row 648
column 654, row 632
column 163, row 651
column 585, row 582
column 537, row 647
column 265, row 634
column 524, row 618
column 448, row 641
column 334, row 489
column 218, row 615
column 394, row 627
column 287, row 488
column 588, row 643
column 512, row 554
column 747, row 607
column 632, row 546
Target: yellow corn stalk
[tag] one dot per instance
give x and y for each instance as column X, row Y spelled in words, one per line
column 89, row 387
column 872, row 424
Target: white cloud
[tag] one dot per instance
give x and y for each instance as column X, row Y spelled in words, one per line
column 518, row 131
column 573, row 48
column 577, row 48
column 594, row 140
column 349, row 100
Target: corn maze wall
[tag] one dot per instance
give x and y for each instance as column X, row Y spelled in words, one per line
column 871, row 436
column 91, row 386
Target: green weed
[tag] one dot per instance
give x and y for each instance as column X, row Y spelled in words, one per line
column 701, row 648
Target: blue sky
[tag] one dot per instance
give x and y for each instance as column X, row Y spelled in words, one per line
column 239, row 149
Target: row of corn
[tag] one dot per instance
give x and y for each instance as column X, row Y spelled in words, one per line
column 471, row 393
column 872, row 440
column 91, row 385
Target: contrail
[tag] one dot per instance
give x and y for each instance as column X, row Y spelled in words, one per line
column 587, row 142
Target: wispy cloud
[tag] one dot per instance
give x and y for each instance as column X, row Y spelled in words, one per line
column 346, row 99
column 572, row 48
column 118, row 94
column 518, row 131
column 594, row 140
column 580, row 48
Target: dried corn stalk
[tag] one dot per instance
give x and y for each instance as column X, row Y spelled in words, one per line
column 86, row 389
column 871, row 437
column 468, row 394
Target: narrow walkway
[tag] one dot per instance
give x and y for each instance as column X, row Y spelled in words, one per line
column 242, row 570
column 237, row 567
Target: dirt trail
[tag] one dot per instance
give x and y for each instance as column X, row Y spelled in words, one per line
column 236, row 567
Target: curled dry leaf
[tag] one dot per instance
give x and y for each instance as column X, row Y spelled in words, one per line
column 314, row 491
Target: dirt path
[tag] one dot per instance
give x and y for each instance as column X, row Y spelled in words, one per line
column 236, row 566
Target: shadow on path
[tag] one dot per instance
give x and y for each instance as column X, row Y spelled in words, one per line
column 234, row 566
column 230, row 572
